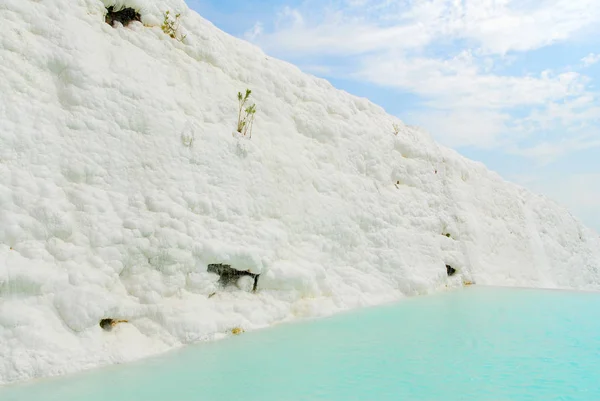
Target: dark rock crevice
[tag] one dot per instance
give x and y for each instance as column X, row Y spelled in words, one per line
column 229, row 275
column 108, row 324
column 124, row 16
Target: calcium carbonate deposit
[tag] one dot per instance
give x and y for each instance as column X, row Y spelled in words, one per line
column 122, row 177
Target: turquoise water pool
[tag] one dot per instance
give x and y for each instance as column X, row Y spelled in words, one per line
column 475, row 344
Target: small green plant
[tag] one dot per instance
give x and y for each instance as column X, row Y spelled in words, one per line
column 246, row 114
column 170, row 26
column 396, row 128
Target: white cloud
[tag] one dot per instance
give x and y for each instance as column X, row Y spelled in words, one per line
column 580, row 113
column 459, row 82
column 256, row 31
column 337, row 35
column 290, row 16
column 546, row 152
column 590, row 59
column 494, row 26
column 450, row 53
column 503, row 26
column 468, row 106
column 464, row 127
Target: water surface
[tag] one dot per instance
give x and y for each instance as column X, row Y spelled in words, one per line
column 476, row 344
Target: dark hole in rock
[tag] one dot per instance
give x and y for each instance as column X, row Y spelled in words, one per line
column 229, row 275
column 450, row 270
column 108, row 324
column 124, row 16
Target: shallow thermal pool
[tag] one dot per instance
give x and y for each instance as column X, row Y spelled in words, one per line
column 479, row 343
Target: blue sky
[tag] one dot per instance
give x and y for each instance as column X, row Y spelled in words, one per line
column 512, row 83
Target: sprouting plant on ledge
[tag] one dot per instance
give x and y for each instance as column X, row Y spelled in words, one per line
column 396, row 128
column 246, row 114
column 170, row 26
